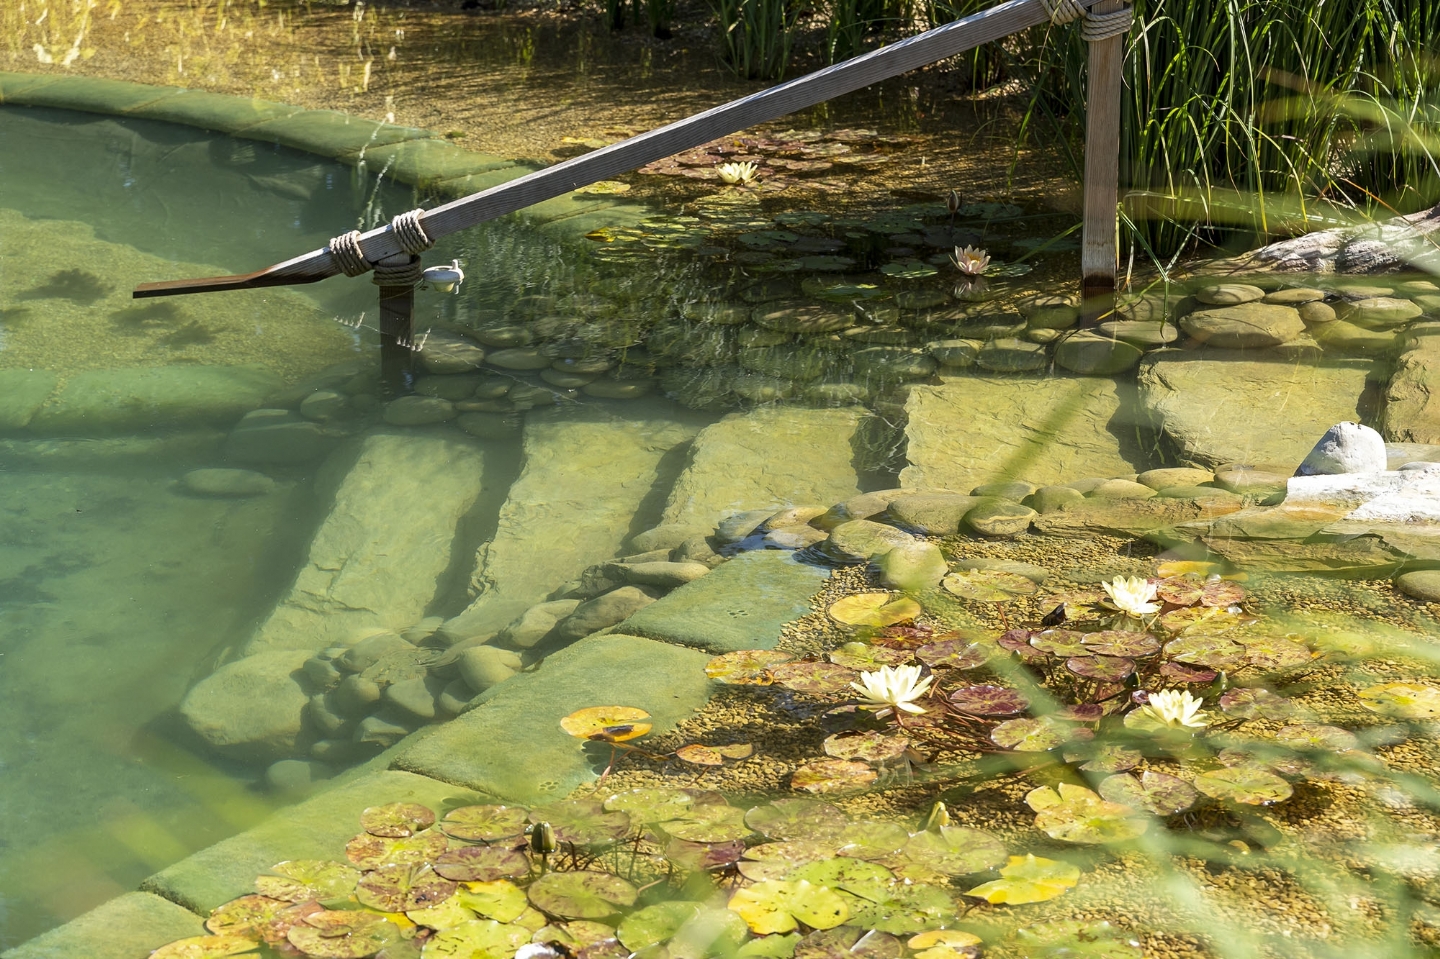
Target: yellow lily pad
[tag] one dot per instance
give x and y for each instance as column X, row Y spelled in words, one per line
column 607, row 724
column 874, row 609
column 1028, row 879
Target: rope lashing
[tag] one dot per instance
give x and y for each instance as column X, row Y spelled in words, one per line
column 345, row 250
column 1094, row 27
column 1062, row 12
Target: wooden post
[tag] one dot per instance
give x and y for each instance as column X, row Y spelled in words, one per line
column 397, row 332
column 1098, row 254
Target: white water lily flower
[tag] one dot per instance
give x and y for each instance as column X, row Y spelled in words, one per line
column 1132, row 595
column 894, row 687
column 737, row 174
column 970, row 260
column 1175, row 707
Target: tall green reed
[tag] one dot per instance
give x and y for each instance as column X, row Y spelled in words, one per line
column 756, row 36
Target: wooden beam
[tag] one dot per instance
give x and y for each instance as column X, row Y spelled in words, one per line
column 807, row 91
column 1099, row 256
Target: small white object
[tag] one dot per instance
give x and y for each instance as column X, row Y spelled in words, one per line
column 1345, row 448
column 445, row 278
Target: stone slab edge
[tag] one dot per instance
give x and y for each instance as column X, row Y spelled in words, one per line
column 126, row 927
column 572, row 213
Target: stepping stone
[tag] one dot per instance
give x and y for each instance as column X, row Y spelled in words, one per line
column 741, row 604
column 125, row 927
column 363, row 573
column 318, row 828
column 766, row 459
column 978, row 429
column 511, row 746
column 1222, row 406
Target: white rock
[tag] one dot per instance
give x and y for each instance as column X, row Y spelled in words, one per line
column 1345, row 448
column 1401, row 496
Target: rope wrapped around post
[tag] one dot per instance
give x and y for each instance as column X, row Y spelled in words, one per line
column 1094, row 27
column 409, row 233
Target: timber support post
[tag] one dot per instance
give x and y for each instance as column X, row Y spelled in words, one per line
column 1104, row 28
column 397, row 320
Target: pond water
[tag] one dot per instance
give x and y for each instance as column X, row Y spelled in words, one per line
column 734, row 354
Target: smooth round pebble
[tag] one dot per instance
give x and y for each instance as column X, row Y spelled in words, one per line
column 1000, row 518
column 1229, row 294
column 1421, row 584
column 226, row 482
column 1048, row 499
column 1174, row 476
column 1294, row 296
column 1121, row 489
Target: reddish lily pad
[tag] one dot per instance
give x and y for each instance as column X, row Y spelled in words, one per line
column 988, row 585
column 1030, row 735
column 698, row 755
column 1106, row 669
column 1014, row 639
column 1185, row 673
column 1161, row 794
column 800, row 819
column 206, row 947
column 1121, row 642
column 866, row 745
column 1222, row 593
column 1206, row 649
column 953, row 654
column 955, row 850
column 401, row 888
column 866, row 657
column 581, row 895
column 1256, row 703
column 343, row 934
column 245, row 916
column 372, row 852
column 1180, row 590
column 988, row 701
column 301, row 880
column 814, row 679
column 483, row 863
column 397, row 820
column 584, row 822
column 485, row 823
column 747, row 667
column 1060, row 642
column 1244, row 784
column 833, row 776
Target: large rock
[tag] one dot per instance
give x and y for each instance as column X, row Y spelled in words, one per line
column 251, row 708
column 1095, row 355
column 1345, row 448
column 383, row 553
column 603, row 612
column 1221, row 407
column 585, row 476
column 767, row 458
column 510, row 745
column 973, row 430
column 1244, row 326
column 1412, row 400
column 277, row 436
column 127, row 926
column 143, row 398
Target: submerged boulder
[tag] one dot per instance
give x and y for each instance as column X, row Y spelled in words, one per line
column 251, row 708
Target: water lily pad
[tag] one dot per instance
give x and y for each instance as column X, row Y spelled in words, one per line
column 444, row 916
column 703, row 856
column 833, row 776
column 874, row 609
column 1030, row 735
column 747, row 667
column 954, row 654
column 403, row 887
column 397, row 820
column 1330, row 739
column 902, row 908
column 1075, row 814
column 698, row 755
column 1256, row 703
column 988, row 585
column 863, row 656
column 709, row 823
column 575, row 934
column 1111, row 758
column 866, row 745
column 945, row 944
column 584, row 822
column 848, row 942
column 777, row 860
column 769, row 947
column 815, row 679
column 1028, row 878
column 244, row 916
column 206, row 947
column 1244, row 784
column 1070, row 939
column 843, row 872
column 1222, row 593
column 482, row 863
column 909, row 270
column 1060, row 642
column 609, row 724
column 1272, row 654
column 824, row 263
column 1180, row 590
column 651, row 805
column 871, row 839
column 1106, row 669
column 477, row 939
column 582, row 894
column 1199, row 618
column 1206, row 649
column 343, row 934
column 986, row 700
column 500, row 900
column 372, row 852
column 1121, row 642
column 1161, row 794
column 799, row 819
column 955, row 850
column 605, row 188
column 1402, row 700
column 301, row 880
column 1184, row 673
column 781, row 905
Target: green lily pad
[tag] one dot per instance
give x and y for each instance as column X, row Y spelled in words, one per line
column 801, row 819
column 1256, row 703
column 998, row 268
column 1209, row 619
column 836, row 292
column 909, row 270
column 581, row 895
column 1272, row 654
column 802, row 218
column 710, row 932
column 842, row 872
column 400, row 888
column 870, row 839
column 477, row 939
column 1161, row 794
column 485, row 823
column 988, row 585
column 955, row 850
column 709, row 823
column 781, row 905
column 1120, row 642
column 1061, row 642
column 848, row 942
column 746, row 667
column 815, row 679
column 769, row 947
column 1111, row 758
column 397, row 820
column 584, row 822
column 1105, row 669
column 444, row 916
column 483, row 863
column 1330, row 739
column 206, row 947
column 372, row 852
column 1244, row 784
column 863, row 656
column 1418, row 701
column 777, row 860
column 343, row 934
column 651, row 805
column 825, row 263
column 500, row 900
column 1206, row 649
column 703, row 856
column 575, row 934
column 655, row 924
column 1073, row 939
column 1030, row 735
column 954, row 654
column 244, row 916
column 833, row 776
column 902, row 908
column 866, row 745
column 1075, row 814
column 301, row 880
column 1027, row 879
column 986, row 700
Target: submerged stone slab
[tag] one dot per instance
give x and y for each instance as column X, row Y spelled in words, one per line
column 977, row 429
column 741, row 604
column 125, row 400
column 1226, row 406
column 126, row 927
column 315, row 829
column 1412, row 399
column 381, row 555
column 585, row 476
column 766, row 458
column 22, row 393
column 511, row 746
